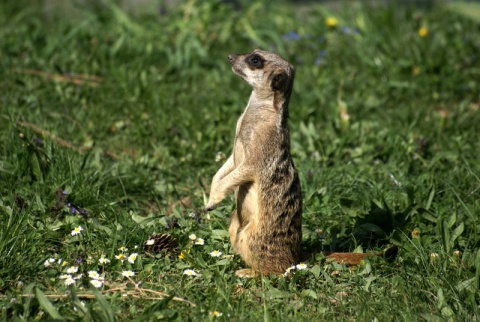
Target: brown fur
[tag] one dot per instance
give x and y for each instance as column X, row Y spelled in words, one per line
column 266, row 227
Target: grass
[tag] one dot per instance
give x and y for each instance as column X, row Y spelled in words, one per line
column 114, row 121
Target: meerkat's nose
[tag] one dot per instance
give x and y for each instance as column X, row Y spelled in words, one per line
column 231, row 58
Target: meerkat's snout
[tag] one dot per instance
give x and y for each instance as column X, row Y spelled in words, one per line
column 231, row 59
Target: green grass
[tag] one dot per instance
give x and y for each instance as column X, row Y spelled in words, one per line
column 124, row 148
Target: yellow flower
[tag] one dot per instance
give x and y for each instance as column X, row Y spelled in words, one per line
column 331, row 22
column 423, row 31
column 182, row 254
column 120, row 257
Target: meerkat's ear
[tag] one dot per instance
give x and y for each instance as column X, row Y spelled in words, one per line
column 279, row 81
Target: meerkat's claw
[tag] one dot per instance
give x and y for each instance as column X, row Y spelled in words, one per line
column 207, row 209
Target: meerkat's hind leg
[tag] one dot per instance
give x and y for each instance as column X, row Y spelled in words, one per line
column 245, row 273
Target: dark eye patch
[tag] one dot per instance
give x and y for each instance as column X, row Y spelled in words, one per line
column 255, row 61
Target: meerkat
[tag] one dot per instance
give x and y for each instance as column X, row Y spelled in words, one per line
column 266, row 226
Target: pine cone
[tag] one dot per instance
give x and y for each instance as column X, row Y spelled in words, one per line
column 160, row 243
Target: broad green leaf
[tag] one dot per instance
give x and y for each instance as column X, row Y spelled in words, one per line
column 47, row 305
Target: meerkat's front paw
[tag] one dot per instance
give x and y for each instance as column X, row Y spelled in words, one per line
column 245, row 273
column 210, row 206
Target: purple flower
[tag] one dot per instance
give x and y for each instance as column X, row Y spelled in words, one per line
column 74, row 210
column 83, row 212
column 292, row 35
column 65, row 192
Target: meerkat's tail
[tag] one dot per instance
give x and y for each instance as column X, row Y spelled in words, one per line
column 356, row 258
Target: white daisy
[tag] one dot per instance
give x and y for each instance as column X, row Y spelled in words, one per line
column 192, row 237
column 69, row 281
column 65, row 276
column 190, row 272
column 289, row 270
column 72, row 269
column 301, row 266
column 103, row 260
column 93, row 275
column 199, row 241
column 216, row 253
column 150, row 242
column 49, row 261
column 132, row 257
column 128, row 273
column 96, row 283
column 77, row 230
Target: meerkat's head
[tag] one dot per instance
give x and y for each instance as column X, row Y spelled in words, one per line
column 266, row 72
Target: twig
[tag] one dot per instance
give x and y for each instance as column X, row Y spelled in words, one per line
column 79, row 79
column 42, row 132
column 138, row 293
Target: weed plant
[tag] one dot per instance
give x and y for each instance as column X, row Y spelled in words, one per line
column 112, row 124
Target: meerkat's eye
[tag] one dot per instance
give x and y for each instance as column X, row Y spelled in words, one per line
column 256, row 61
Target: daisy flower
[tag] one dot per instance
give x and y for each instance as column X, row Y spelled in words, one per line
column 215, row 253
column 79, row 276
column 72, row 269
column 96, row 283
column 77, row 230
column 120, row 257
column 301, row 266
column 49, row 261
column 123, row 249
column 128, row 273
column 150, row 242
column 65, row 276
column 199, row 241
column 69, row 281
column 103, row 260
column 216, row 313
column 190, row 272
column 93, row 275
column 289, row 270
column 192, row 237
column 132, row 257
